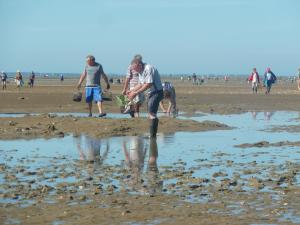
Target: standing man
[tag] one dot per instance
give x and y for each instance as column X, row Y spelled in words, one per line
column 269, row 79
column 3, row 79
column 19, row 79
column 61, row 78
column 31, row 79
column 150, row 81
column 93, row 72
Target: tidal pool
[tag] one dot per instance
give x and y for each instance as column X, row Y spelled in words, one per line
column 197, row 166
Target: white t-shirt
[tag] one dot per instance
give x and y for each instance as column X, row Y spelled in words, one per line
column 150, row 75
column 254, row 79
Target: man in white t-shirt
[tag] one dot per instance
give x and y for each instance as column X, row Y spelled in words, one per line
column 149, row 81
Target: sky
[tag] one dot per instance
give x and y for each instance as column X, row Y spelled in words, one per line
column 176, row 36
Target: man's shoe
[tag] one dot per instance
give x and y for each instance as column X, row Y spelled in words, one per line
column 131, row 113
column 102, row 114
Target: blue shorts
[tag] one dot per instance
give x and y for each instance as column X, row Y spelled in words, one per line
column 93, row 93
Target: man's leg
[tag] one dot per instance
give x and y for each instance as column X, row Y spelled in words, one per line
column 89, row 99
column 153, row 104
column 100, row 105
column 90, row 104
column 270, row 86
column 97, row 95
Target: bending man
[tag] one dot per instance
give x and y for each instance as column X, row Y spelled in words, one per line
column 170, row 95
column 150, row 81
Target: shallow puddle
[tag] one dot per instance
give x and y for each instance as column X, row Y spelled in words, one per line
column 197, row 166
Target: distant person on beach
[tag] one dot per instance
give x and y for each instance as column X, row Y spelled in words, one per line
column 93, row 72
column 194, row 79
column 131, row 81
column 269, row 80
column 31, row 79
column 226, row 78
column 170, row 95
column 298, row 76
column 61, row 78
column 3, row 79
column 254, row 78
column 19, row 79
column 149, row 80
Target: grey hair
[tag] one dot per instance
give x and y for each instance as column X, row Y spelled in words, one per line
column 91, row 57
column 137, row 59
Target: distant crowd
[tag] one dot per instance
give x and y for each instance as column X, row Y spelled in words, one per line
column 18, row 79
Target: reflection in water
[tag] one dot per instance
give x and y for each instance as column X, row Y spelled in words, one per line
column 167, row 137
column 89, row 149
column 135, row 154
column 137, row 180
column 254, row 114
column 267, row 115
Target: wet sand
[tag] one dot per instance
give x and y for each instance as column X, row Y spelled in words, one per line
column 215, row 96
column 105, row 206
column 52, row 126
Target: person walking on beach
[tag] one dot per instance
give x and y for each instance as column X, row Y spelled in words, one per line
column 61, row 78
column 150, row 81
column 170, row 95
column 194, row 77
column 254, row 78
column 298, row 75
column 19, row 79
column 3, row 79
column 93, row 71
column 131, row 81
column 31, row 79
column 269, row 80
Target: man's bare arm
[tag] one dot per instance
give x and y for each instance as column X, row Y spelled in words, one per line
column 81, row 79
column 106, row 80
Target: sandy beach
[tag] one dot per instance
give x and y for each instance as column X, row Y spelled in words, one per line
column 234, row 96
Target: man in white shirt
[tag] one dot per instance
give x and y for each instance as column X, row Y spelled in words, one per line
column 150, row 81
